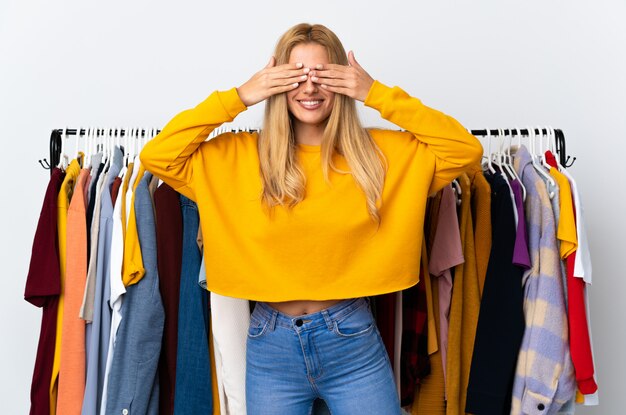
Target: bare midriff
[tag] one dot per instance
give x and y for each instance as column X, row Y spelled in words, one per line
column 302, row 307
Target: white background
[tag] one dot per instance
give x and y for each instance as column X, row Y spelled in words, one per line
column 487, row 63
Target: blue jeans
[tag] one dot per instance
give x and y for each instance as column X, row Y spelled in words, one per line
column 336, row 354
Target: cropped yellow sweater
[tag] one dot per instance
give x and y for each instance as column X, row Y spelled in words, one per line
column 328, row 246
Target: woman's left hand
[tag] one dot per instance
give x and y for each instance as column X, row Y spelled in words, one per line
column 350, row 80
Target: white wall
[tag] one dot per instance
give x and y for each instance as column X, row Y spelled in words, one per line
column 487, row 63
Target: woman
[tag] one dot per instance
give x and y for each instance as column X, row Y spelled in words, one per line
column 312, row 215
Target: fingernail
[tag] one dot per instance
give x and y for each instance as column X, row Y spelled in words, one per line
column 306, row 70
column 299, row 65
column 295, row 84
column 314, row 78
column 318, row 66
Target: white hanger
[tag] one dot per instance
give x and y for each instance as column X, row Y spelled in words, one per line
column 510, row 162
column 538, row 167
column 62, row 157
column 489, row 165
column 87, row 148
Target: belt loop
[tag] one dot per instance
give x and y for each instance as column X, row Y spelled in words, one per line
column 272, row 323
column 328, row 320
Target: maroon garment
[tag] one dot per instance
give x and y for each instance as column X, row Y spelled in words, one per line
column 115, row 188
column 43, row 287
column 414, row 359
column 169, row 232
column 385, row 305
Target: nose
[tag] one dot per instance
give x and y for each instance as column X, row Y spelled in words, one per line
column 310, row 87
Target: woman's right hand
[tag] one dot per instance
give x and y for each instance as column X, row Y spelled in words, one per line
column 272, row 80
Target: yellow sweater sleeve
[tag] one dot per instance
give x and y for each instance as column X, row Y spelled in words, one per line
column 452, row 145
column 170, row 155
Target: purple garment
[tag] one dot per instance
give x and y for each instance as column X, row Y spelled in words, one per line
column 521, row 257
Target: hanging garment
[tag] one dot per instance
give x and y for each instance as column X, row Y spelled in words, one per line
column 132, row 266
column 385, row 306
column 501, row 321
column 87, row 306
column 272, row 258
column 96, row 160
column 65, row 195
column 230, row 320
column 582, row 270
column 521, row 256
column 481, row 217
column 101, row 324
column 544, row 376
column 169, row 231
column 133, row 385
column 43, row 287
column 430, row 395
column 397, row 340
column 192, row 392
column 464, row 308
column 115, row 295
column 446, row 254
column 72, row 364
column 415, row 364
column 580, row 345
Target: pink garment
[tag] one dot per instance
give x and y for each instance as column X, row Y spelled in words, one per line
column 447, row 253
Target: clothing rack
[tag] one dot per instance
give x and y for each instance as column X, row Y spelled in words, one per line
column 57, row 134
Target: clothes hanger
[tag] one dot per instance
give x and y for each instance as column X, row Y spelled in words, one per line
column 489, row 165
column 538, row 167
column 62, row 157
column 510, row 164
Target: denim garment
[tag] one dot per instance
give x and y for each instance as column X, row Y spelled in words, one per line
column 133, row 386
column 192, row 392
column 336, row 354
column 101, row 323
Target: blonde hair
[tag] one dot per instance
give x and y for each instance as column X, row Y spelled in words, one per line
column 283, row 179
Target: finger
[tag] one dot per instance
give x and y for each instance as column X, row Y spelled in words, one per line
column 289, row 73
column 279, row 82
column 283, row 88
column 330, row 73
column 338, row 89
column 286, row 67
column 334, row 82
column 271, row 63
column 352, row 60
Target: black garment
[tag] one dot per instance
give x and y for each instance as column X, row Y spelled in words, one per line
column 501, row 320
column 91, row 204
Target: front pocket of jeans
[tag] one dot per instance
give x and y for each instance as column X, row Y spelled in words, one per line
column 257, row 327
column 358, row 323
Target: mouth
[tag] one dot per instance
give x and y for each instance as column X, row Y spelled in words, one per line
column 310, row 104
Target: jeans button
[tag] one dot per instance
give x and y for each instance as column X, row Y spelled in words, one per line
column 299, row 322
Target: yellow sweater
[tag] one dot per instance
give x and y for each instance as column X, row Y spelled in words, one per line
column 327, row 247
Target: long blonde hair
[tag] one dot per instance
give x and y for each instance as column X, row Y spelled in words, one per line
column 283, row 179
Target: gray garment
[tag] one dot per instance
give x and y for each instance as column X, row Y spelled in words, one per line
column 101, row 324
column 133, row 385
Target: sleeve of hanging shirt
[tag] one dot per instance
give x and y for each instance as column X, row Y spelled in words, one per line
column 451, row 144
column 172, row 155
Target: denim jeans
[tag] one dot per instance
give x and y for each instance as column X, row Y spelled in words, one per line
column 336, row 354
